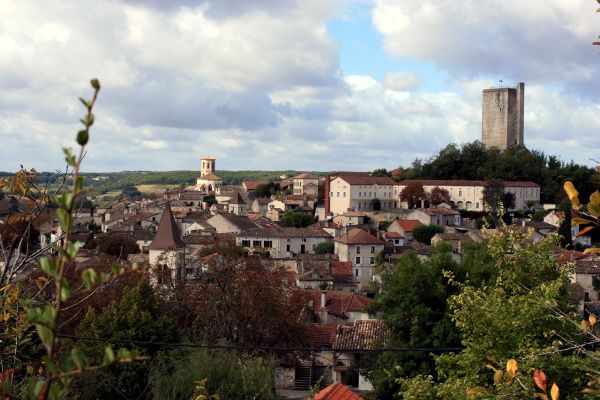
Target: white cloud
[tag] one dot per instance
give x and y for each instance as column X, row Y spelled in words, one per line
column 402, row 81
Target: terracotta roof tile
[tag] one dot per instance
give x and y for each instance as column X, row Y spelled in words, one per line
column 358, row 236
column 408, row 224
column 362, row 334
column 336, row 391
column 322, row 335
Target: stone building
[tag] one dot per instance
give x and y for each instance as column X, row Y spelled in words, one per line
column 502, row 116
column 208, row 182
column 167, row 251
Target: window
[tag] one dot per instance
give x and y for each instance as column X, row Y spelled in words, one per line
column 359, row 194
column 338, row 194
column 344, row 194
column 303, row 240
column 314, row 246
column 477, row 205
column 288, row 247
column 256, row 243
column 357, row 261
column 460, row 192
column 330, row 194
column 302, row 248
column 268, row 244
column 372, row 249
column 245, row 243
column 372, row 260
column 357, row 249
column 356, row 272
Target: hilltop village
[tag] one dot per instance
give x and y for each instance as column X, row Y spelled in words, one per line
column 329, row 238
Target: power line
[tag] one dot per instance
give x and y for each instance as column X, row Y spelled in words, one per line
column 265, row 348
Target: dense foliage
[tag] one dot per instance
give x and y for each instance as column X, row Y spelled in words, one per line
column 474, row 161
column 424, row 233
column 296, row 219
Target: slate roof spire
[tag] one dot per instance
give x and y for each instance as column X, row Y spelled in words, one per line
column 167, row 236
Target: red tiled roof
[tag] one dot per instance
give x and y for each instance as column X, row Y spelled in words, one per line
column 322, row 335
column 393, row 235
column 367, row 180
column 336, row 302
column 210, row 177
column 305, row 175
column 358, row 236
column 408, row 224
column 336, row 391
column 363, row 334
column 252, row 185
column 340, row 268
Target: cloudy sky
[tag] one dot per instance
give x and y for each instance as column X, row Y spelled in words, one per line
column 290, row 84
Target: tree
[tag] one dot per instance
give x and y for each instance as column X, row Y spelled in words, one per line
column 375, row 204
column 438, row 195
column 413, row 299
column 381, row 172
column 209, row 200
column 138, row 316
column 424, row 233
column 268, row 189
column 324, row 248
column 509, row 200
column 131, row 191
column 413, row 194
column 296, row 219
column 493, row 193
column 118, row 246
column 524, row 314
column 252, row 302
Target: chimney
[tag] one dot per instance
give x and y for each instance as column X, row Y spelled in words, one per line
column 323, row 298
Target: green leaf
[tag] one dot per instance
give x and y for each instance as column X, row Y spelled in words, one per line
column 86, row 103
column 73, row 248
column 109, row 355
column 594, row 209
column 124, row 355
column 89, row 277
column 69, row 157
column 78, row 358
column 48, row 266
column 46, row 335
column 118, row 269
column 65, row 290
column 95, row 84
column 82, row 137
column 79, row 183
column 63, row 218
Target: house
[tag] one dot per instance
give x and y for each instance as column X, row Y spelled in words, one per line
column 394, row 238
column 327, row 307
column 282, row 242
column 456, row 240
column 360, row 248
column 350, row 218
column 555, row 218
column 359, row 191
column 405, row 228
column 366, row 334
column 338, row 276
column 305, row 183
column 586, row 284
column 231, row 223
column 436, row 216
column 261, row 205
column 236, row 204
column 250, row 186
column 469, row 194
column 330, row 227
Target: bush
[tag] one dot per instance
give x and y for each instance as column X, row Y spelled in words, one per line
column 424, row 233
column 297, row 219
column 230, row 375
column 324, row 248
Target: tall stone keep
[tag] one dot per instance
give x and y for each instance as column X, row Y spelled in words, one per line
column 502, row 116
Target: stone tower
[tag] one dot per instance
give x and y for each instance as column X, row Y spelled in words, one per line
column 502, row 117
column 207, row 166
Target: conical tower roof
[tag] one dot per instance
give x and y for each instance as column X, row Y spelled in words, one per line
column 167, row 236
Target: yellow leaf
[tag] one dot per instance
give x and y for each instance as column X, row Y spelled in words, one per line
column 592, row 319
column 572, row 193
column 512, row 366
column 592, row 250
column 594, row 209
column 554, row 392
column 578, row 221
column 585, row 325
column 595, row 198
column 30, row 370
column 498, row 377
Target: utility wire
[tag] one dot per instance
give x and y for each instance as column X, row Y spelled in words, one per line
column 266, row 348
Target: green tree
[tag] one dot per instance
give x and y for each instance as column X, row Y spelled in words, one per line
column 375, row 204
column 324, row 248
column 138, row 316
column 523, row 315
column 413, row 194
column 493, row 193
column 230, row 375
column 424, row 233
column 209, row 200
column 268, row 189
column 381, row 172
column 131, row 191
column 296, row 219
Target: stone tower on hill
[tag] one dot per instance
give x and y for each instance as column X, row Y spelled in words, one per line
column 502, row 117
